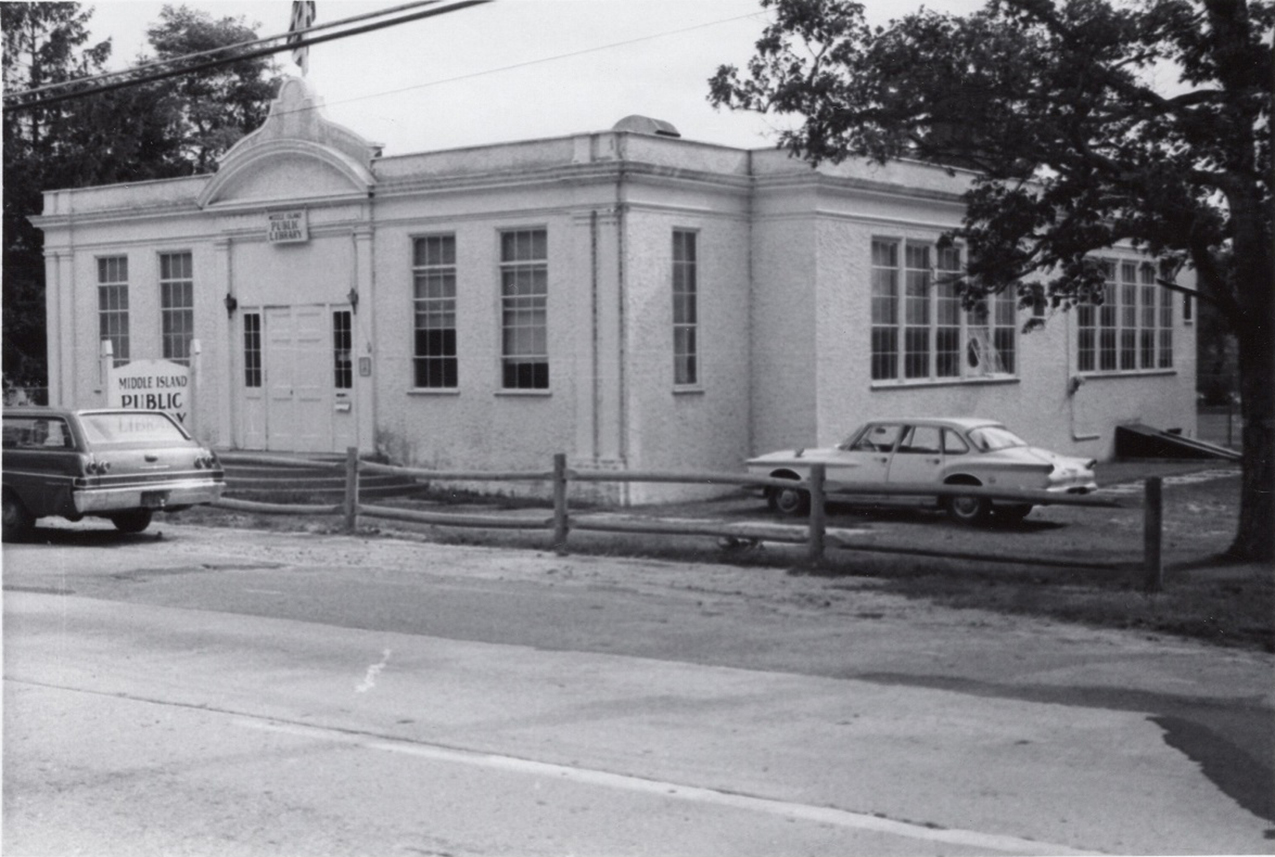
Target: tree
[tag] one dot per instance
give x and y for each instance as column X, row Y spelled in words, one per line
column 1057, row 108
column 213, row 108
column 174, row 127
column 43, row 43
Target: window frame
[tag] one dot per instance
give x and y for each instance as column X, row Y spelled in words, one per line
column 685, row 295
column 253, row 366
column 439, row 371
column 177, row 317
column 112, row 306
column 920, row 332
column 1131, row 332
column 524, row 315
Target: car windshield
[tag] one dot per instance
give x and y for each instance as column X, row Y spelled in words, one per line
column 992, row 438
column 124, row 427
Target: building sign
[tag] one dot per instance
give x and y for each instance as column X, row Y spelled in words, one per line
column 151, row 385
column 288, row 227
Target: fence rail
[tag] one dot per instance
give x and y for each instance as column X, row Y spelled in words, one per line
column 814, row 534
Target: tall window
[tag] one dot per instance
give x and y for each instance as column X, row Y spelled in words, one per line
column 919, row 326
column 434, row 299
column 252, row 349
column 524, row 291
column 112, row 304
column 685, row 312
column 343, row 349
column 1133, row 328
column 177, row 306
column 885, row 309
column 916, row 311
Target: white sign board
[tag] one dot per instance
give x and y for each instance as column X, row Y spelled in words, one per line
column 151, row 385
column 288, row 227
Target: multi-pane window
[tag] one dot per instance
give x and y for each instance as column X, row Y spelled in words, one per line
column 885, row 309
column 524, row 307
column 1133, row 328
column 177, row 306
column 112, row 304
column 918, row 323
column 252, row 349
column 434, row 300
column 685, row 312
column 343, row 349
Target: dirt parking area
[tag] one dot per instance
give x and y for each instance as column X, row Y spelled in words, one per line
column 1080, row 565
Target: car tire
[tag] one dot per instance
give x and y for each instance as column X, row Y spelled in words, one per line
column 132, row 522
column 792, row 502
column 1012, row 514
column 17, row 520
column 970, row 511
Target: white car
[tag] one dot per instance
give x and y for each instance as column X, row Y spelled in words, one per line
column 930, row 451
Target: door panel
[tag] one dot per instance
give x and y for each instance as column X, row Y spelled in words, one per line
column 298, row 379
column 312, row 379
column 919, row 457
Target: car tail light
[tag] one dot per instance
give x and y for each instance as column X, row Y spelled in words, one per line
column 205, row 460
column 97, row 468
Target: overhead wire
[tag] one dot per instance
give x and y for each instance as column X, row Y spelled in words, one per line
column 170, row 61
column 187, row 69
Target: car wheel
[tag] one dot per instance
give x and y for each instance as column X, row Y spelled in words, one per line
column 1014, row 513
column 17, row 520
column 132, row 522
column 789, row 501
column 969, row 510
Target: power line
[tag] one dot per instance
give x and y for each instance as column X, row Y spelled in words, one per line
column 171, row 61
column 537, row 61
column 137, row 81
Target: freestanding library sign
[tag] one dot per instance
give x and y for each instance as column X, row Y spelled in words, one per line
column 152, row 385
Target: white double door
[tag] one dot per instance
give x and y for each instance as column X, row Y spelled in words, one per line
column 296, row 405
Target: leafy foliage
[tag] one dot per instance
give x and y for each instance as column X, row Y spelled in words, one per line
column 161, row 129
column 1087, row 123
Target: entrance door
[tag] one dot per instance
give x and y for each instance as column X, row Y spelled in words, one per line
column 298, row 362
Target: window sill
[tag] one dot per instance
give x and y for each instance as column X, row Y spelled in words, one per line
column 433, row 391
column 1126, row 373
column 689, row 390
column 528, row 393
column 944, row 382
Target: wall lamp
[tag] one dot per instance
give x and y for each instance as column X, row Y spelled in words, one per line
column 232, row 304
column 353, row 298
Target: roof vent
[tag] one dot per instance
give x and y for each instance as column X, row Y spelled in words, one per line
column 646, row 125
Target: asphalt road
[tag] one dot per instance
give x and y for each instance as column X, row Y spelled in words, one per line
column 214, row 691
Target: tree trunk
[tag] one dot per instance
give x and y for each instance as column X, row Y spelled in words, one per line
column 1255, row 534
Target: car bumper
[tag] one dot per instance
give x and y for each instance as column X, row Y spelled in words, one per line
column 152, row 495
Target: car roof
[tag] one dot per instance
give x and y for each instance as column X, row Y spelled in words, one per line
column 965, row 423
column 50, row 411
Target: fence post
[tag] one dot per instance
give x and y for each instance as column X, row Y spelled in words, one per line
column 560, row 502
column 818, row 514
column 1152, row 535
column 351, row 488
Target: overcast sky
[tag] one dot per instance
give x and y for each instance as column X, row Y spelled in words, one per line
column 513, row 69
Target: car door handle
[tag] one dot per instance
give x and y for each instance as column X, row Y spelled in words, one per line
column 151, row 458
column 883, row 459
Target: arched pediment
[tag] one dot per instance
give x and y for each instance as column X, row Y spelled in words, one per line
column 296, row 155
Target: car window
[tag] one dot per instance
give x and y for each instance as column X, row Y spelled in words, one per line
column 953, row 443
column 126, row 427
column 37, row 433
column 992, row 438
column 878, row 438
column 921, row 440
